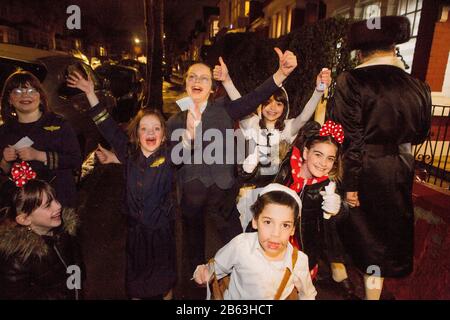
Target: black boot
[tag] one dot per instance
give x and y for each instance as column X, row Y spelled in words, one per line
column 348, row 289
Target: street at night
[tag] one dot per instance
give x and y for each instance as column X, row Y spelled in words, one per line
column 241, row 150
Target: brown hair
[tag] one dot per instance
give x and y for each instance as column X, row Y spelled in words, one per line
column 279, row 96
column 133, row 127
column 29, row 197
column 20, row 79
column 275, row 197
column 309, row 136
column 213, row 82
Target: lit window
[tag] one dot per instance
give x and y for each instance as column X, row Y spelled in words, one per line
column 247, row 8
column 412, row 10
column 372, row 10
column 289, row 19
column 279, row 25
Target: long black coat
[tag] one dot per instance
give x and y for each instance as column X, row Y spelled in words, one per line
column 380, row 108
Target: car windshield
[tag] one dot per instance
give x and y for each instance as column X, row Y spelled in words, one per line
column 121, row 79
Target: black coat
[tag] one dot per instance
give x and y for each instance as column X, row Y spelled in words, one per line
column 381, row 107
column 53, row 135
column 317, row 237
column 35, row 267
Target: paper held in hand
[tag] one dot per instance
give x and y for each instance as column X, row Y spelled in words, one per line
column 23, row 143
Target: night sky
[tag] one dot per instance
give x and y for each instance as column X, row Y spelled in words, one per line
column 130, row 14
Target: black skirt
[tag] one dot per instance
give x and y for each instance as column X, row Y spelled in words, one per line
column 151, row 260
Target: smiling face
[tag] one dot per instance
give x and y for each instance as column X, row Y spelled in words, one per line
column 319, row 159
column 199, row 83
column 273, row 110
column 275, row 225
column 151, row 134
column 25, row 99
column 45, row 217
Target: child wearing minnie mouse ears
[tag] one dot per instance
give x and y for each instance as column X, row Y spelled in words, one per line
column 312, row 170
column 263, row 264
column 38, row 243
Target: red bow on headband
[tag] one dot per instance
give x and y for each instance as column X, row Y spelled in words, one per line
column 335, row 130
column 21, row 173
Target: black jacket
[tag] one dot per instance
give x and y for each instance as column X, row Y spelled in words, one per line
column 35, row 267
column 318, row 237
column 219, row 116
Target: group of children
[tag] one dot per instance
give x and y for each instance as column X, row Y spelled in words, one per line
column 297, row 213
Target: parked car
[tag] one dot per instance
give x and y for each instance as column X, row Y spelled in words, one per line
column 51, row 68
column 127, row 85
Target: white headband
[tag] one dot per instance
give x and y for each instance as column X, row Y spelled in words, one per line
column 246, row 202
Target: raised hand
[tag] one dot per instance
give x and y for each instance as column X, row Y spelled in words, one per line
column 76, row 80
column 220, row 72
column 324, row 77
column 287, row 61
column 193, row 118
column 331, row 200
column 9, row 154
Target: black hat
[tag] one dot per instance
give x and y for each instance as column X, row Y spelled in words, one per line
column 378, row 32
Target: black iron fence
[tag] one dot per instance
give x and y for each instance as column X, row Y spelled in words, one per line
column 432, row 156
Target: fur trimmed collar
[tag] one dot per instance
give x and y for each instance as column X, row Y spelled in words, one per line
column 18, row 240
column 387, row 60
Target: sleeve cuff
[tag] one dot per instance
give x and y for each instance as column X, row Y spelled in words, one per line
column 52, row 160
column 99, row 114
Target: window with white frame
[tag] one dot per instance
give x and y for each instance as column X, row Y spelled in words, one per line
column 372, row 10
column 411, row 9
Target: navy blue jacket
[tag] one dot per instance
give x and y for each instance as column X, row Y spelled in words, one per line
column 54, row 135
column 149, row 181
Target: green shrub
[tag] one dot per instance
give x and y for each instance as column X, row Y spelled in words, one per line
column 251, row 58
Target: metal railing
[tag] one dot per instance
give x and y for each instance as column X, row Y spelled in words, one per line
column 432, row 156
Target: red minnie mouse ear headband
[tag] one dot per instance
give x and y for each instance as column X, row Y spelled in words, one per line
column 335, row 130
column 21, row 173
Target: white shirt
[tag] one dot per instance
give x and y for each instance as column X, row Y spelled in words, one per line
column 267, row 150
column 254, row 277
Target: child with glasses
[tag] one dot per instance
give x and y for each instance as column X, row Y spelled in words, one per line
column 208, row 188
column 31, row 132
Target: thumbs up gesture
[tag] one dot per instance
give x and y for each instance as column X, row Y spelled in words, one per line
column 287, row 64
column 331, row 201
column 220, row 72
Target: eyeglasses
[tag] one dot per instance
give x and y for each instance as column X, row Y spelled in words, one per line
column 192, row 78
column 21, row 91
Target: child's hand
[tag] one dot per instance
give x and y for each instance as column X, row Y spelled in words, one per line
column 287, row 61
column 75, row 80
column 9, row 154
column 106, row 156
column 193, row 119
column 201, row 274
column 220, row 72
column 331, row 200
column 324, row 77
column 29, row 154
